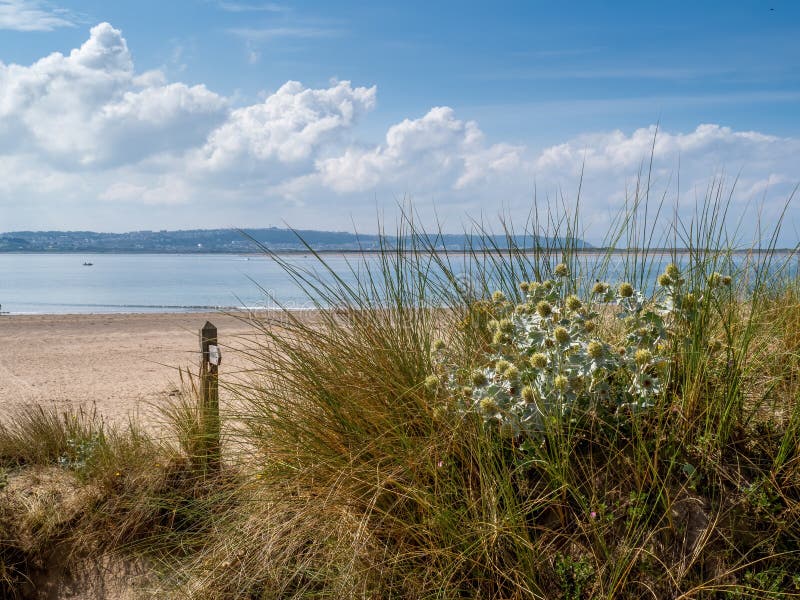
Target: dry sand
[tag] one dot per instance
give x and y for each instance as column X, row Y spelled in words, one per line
column 122, row 364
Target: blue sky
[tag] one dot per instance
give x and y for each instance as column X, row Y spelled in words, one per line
column 527, row 91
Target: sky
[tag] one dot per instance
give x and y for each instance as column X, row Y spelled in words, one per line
column 120, row 116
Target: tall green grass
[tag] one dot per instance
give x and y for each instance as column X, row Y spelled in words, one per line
column 76, row 491
column 697, row 497
column 346, row 475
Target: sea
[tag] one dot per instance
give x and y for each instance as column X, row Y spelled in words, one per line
column 60, row 283
column 43, row 283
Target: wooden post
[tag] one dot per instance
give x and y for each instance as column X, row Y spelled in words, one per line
column 210, row 358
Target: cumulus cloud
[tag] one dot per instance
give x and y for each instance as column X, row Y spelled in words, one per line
column 288, row 127
column 30, row 15
column 753, row 168
column 165, row 190
column 86, row 127
column 436, row 150
column 441, row 158
column 90, row 109
column 616, row 151
column 761, row 162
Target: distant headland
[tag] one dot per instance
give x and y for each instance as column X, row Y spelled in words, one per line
column 238, row 241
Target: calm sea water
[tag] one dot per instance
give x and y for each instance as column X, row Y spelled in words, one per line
column 133, row 283
column 130, row 283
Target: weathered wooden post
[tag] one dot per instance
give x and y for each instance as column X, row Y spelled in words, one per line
column 210, row 358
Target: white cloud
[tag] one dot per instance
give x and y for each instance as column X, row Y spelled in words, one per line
column 22, row 176
column 31, row 15
column 436, row 150
column 165, row 190
column 90, row 109
column 85, row 129
column 442, row 159
column 263, row 34
column 288, row 127
column 756, row 167
column 616, row 151
column 754, row 188
column 238, row 7
column 123, row 192
column 761, row 162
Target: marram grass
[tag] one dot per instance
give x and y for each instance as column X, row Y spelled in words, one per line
column 495, row 424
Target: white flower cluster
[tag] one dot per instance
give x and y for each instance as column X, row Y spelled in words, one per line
column 547, row 357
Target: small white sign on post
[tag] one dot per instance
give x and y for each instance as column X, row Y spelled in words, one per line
column 214, row 355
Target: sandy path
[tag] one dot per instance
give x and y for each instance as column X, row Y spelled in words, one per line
column 121, row 363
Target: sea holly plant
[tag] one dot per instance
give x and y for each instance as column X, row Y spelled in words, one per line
column 548, row 359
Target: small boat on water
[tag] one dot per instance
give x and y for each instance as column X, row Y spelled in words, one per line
column 87, row 264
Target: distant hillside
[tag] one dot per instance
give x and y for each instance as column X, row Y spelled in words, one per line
column 217, row 240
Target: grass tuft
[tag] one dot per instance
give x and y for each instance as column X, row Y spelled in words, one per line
column 387, row 446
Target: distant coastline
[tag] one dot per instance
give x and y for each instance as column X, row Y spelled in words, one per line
column 594, row 251
column 282, row 240
column 240, row 241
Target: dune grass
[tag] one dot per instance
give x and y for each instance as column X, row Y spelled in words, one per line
column 358, row 465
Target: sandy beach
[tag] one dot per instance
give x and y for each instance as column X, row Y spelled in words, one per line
column 121, row 363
